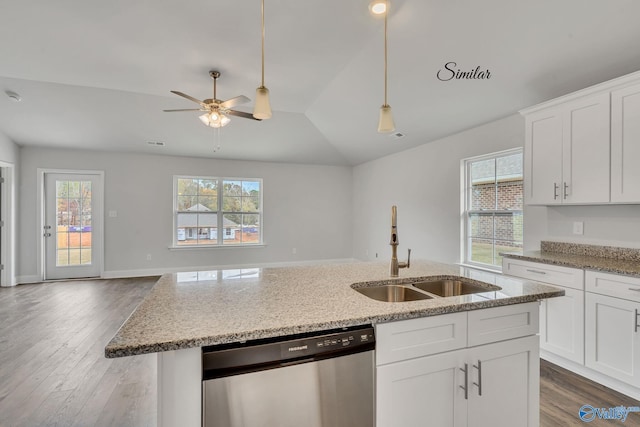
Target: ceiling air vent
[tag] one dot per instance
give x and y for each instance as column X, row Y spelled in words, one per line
column 397, row 135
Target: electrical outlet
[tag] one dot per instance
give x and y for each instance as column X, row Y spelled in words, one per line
column 578, row 227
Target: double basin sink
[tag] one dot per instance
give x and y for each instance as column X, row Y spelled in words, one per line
column 425, row 289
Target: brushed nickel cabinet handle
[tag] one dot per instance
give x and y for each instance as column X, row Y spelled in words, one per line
column 634, row 289
column 635, row 329
column 536, row 271
column 555, row 191
column 566, row 187
column 466, row 381
column 479, row 383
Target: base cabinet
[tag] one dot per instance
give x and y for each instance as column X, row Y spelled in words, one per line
column 491, row 379
column 613, row 337
column 562, row 325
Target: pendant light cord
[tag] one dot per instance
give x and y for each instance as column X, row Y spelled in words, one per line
column 385, row 53
column 262, row 43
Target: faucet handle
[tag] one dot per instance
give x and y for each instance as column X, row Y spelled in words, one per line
column 406, row 264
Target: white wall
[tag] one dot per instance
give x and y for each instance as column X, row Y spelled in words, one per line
column 305, row 207
column 9, row 162
column 616, row 225
column 424, row 183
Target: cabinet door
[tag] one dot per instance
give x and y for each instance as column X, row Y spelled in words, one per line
column 505, row 384
column 543, row 157
column 612, row 343
column 421, row 391
column 562, row 325
column 586, row 148
column 625, row 145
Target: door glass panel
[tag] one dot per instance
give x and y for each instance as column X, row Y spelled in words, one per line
column 73, row 224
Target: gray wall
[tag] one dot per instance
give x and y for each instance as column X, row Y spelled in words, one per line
column 305, row 207
column 424, row 183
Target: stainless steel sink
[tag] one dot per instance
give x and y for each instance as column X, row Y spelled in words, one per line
column 393, row 293
column 452, row 287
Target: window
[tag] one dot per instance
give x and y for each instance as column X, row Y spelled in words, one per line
column 204, row 205
column 493, row 197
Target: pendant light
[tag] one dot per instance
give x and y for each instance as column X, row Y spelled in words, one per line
column 262, row 109
column 385, row 123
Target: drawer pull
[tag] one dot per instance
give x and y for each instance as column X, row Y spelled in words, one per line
column 634, row 289
column 555, row 191
column 536, row 271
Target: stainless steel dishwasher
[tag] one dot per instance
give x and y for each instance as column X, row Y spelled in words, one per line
column 313, row 380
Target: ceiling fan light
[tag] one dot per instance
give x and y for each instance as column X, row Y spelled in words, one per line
column 224, row 120
column 214, row 117
column 205, row 119
column 262, row 108
column 386, row 124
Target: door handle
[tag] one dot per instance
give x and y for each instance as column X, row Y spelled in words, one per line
column 466, row 381
column 479, row 383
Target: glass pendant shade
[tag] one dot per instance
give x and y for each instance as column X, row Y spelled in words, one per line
column 386, row 124
column 262, row 108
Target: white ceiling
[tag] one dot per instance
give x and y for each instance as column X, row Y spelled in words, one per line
column 97, row 75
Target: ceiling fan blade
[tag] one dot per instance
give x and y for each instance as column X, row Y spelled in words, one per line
column 235, row 101
column 183, row 109
column 241, row 114
column 190, row 98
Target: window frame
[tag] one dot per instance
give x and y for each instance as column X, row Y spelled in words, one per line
column 220, row 213
column 467, row 212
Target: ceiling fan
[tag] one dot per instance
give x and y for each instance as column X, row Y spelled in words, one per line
column 215, row 110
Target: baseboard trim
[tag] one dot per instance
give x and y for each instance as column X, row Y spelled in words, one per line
column 582, row 370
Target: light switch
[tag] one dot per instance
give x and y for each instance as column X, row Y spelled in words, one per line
column 578, row 227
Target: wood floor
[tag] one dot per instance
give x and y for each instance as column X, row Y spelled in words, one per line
column 52, row 366
column 53, row 371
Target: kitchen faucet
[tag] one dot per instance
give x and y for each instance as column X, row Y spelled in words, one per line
column 395, row 265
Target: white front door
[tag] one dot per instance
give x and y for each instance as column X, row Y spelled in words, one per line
column 73, row 225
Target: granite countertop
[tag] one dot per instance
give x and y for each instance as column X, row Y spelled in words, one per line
column 608, row 259
column 186, row 310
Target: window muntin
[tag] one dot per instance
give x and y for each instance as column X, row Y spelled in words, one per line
column 204, row 205
column 493, row 217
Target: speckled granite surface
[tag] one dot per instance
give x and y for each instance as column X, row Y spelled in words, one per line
column 187, row 310
column 609, row 259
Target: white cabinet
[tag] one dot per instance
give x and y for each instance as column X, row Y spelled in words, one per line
column 613, row 326
column 567, row 152
column 625, row 144
column 493, row 384
column 561, row 318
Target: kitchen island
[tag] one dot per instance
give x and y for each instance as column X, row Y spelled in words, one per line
column 187, row 311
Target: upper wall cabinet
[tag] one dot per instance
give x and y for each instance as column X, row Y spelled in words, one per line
column 567, row 153
column 625, row 144
column 584, row 148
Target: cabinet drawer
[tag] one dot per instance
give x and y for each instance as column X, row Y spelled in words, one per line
column 547, row 273
column 502, row 323
column 407, row 339
column 613, row 285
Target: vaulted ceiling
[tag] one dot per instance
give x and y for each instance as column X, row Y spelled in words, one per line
column 97, row 75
